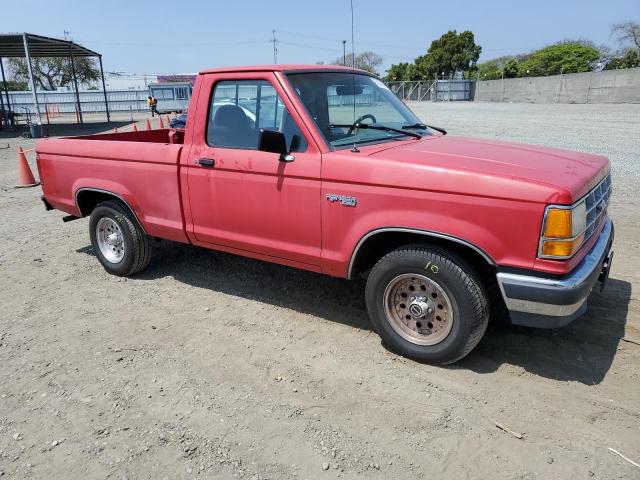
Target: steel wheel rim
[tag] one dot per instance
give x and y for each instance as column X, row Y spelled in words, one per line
column 110, row 240
column 418, row 309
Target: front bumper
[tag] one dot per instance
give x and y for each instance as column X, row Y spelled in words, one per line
column 551, row 302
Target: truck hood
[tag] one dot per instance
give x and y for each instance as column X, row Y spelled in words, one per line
column 574, row 172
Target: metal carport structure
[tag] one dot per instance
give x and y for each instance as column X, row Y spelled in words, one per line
column 31, row 46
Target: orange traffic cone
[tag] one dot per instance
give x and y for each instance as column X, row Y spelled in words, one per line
column 135, row 127
column 115, row 130
column 160, row 125
column 168, row 120
column 25, row 177
column 147, row 125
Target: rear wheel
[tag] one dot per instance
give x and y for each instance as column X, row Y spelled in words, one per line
column 427, row 303
column 120, row 244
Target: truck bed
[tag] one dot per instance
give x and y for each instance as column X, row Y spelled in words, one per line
column 139, row 167
column 144, row 136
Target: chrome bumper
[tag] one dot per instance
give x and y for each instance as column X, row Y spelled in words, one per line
column 550, row 302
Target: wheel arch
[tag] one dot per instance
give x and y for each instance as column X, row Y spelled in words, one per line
column 377, row 243
column 87, row 198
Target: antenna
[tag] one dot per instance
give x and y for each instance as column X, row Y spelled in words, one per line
column 66, row 34
column 274, row 40
column 353, row 48
column 353, row 78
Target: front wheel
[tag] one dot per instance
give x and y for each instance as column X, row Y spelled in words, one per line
column 427, row 303
column 118, row 241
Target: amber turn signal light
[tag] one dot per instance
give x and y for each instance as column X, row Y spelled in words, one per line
column 558, row 223
column 561, row 248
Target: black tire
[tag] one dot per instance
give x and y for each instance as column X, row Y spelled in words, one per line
column 136, row 244
column 466, row 294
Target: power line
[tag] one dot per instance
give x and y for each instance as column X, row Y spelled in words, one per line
column 178, row 44
column 335, row 50
column 386, row 45
column 250, row 42
column 311, row 47
column 336, row 40
column 275, row 41
column 305, row 35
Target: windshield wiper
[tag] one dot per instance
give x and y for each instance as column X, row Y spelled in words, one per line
column 422, row 125
column 354, row 126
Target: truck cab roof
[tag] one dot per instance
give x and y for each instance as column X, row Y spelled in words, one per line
column 284, row 68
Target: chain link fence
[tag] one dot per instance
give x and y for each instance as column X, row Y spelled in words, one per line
column 433, row 90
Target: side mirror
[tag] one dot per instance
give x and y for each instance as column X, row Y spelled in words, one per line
column 275, row 142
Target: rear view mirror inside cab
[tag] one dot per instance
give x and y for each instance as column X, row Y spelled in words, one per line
column 349, row 89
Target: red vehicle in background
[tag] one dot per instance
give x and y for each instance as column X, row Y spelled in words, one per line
column 324, row 169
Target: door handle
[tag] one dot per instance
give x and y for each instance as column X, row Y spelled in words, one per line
column 206, row 162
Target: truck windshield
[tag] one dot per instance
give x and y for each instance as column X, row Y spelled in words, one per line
column 339, row 101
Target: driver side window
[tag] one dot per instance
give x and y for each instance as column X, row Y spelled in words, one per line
column 239, row 109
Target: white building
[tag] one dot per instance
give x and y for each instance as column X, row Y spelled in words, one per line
column 128, row 81
column 140, row 81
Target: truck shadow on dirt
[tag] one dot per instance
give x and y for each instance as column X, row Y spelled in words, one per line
column 583, row 351
column 334, row 299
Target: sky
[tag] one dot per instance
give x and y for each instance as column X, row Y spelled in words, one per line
column 161, row 36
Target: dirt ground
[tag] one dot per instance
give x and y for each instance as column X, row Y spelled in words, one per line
column 208, row 365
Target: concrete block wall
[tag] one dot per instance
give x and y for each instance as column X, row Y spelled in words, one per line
column 611, row 86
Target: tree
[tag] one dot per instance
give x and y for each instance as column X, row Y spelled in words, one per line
column 452, row 52
column 494, row 69
column 627, row 33
column 52, row 72
column 511, row 68
column 628, row 56
column 15, row 86
column 368, row 61
column 398, row 73
column 568, row 56
column 606, row 56
column 630, row 59
column 490, row 70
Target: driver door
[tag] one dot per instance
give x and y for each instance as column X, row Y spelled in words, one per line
column 245, row 200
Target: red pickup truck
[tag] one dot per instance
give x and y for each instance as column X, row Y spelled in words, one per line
column 325, row 169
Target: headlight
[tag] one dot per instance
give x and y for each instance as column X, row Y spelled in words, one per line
column 563, row 231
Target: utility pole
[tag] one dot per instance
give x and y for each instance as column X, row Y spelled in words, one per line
column 344, row 53
column 275, row 47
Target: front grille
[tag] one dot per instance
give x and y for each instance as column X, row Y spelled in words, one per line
column 597, row 201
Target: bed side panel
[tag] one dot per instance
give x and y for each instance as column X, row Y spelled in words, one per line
column 145, row 175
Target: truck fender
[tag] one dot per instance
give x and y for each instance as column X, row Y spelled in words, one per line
column 107, row 192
